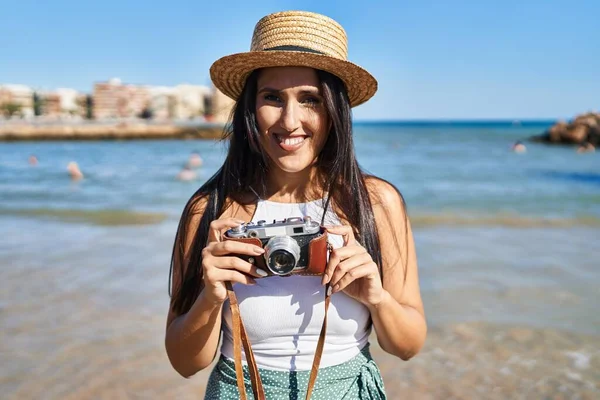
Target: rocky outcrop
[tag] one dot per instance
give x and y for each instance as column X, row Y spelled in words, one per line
column 585, row 128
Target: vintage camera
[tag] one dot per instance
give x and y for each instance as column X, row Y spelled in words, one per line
column 293, row 245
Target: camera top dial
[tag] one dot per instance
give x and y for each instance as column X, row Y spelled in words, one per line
column 292, row 226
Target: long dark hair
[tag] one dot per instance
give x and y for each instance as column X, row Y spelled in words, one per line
column 344, row 184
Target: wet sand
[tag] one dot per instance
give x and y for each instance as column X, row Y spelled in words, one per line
column 94, row 353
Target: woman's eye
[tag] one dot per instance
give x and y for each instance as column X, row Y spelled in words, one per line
column 271, row 97
column 312, row 101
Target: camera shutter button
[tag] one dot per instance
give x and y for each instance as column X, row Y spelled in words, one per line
column 239, row 229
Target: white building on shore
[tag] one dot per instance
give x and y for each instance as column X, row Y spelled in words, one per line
column 18, row 96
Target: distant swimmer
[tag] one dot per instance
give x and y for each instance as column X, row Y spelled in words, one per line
column 33, row 160
column 74, row 171
column 519, row 147
column 186, row 174
column 195, row 160
column 586, row 147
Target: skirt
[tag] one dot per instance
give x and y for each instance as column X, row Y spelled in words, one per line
column 358, row 378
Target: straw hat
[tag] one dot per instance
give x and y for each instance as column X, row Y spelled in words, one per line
column 300, row 39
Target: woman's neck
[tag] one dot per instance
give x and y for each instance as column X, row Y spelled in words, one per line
column 297, row 187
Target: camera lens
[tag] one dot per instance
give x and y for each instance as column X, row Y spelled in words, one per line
column 281, row 262
column 282, row 254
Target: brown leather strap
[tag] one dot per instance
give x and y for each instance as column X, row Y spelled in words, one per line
column 237, row 351
column 319, row 351
column 241, row 338
column 257, row 387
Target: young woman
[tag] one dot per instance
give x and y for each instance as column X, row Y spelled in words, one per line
column 291, row 154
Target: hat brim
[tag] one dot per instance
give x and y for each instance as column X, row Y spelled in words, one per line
column 229, row 73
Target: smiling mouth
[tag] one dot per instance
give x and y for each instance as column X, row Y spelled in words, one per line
column 290, row 141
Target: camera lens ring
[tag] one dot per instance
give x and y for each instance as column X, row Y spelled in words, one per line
column 282, row 254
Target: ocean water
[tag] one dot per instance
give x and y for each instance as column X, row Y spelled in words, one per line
column 503, row 240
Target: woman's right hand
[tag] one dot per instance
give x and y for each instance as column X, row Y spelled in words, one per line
column 219, row 264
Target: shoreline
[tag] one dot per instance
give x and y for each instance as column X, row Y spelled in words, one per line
column 108, row 131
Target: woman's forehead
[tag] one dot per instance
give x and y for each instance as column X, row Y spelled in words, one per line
column 281, row 78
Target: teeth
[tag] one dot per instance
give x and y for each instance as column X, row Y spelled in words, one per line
column 291, row 141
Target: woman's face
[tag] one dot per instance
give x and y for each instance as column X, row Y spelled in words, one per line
column 291, row 115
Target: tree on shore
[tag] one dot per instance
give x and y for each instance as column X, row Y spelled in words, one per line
column 208, row 107
column 9, row 109
column 89, row 107
column 38, row 104
column 85, row 105
column 146, row 113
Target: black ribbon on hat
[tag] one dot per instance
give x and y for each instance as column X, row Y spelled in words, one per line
column 294, row 48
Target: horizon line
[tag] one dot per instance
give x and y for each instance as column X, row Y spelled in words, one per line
column 454, row 120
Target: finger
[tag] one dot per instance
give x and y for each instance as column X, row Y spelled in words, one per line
column 338, row 255
column 347, row 265
column 234, row 247
column 238, row 264
column 214, row 276
column 219, row 225
column 362, row 271
column 345, row 231
column 235, row 276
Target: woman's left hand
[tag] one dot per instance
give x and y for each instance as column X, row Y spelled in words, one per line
column 352, row 270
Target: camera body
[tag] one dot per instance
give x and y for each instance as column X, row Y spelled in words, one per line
column 292, row 245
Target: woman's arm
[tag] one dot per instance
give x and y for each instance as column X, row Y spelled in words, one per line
column 191, row 339
column 399, row 318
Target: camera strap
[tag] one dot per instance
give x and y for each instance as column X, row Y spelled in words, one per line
column 240, row 338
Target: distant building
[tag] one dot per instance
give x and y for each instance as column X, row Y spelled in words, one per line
column 113, row 99
column 68, row 101
column 162, row 102
column 190, row 101
column 51, row 105
column 19, row 95
column 221, row 106
column 179, row 102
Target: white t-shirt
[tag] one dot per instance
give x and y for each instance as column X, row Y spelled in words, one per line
column 283, row 315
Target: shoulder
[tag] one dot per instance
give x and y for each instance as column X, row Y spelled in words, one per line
column 384, row 195
column 195, row 206
column 238, row 205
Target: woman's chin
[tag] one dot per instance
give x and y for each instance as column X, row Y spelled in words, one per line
column 293, row 167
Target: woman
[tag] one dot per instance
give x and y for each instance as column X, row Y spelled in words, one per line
column 291, row 154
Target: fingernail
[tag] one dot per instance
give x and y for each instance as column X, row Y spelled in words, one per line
column 261, row 272
column 259, row 250
column 325, row 279
column 329, row 291
column 336, row 288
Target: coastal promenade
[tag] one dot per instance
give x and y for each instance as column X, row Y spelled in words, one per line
column 121, row 130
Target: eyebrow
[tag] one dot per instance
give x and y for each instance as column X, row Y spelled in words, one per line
column 304, row 91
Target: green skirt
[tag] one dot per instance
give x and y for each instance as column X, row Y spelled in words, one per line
column 358, row 378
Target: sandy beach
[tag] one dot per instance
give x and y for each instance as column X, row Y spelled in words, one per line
column 126, row 360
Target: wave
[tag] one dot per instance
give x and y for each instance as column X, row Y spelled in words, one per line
column 93, row 217
column 421, row 220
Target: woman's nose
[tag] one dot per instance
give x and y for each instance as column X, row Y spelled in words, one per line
column 290, row 117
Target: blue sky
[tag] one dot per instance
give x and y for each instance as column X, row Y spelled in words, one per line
column 433, row 59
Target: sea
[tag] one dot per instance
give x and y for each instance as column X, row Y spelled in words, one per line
column 507, row 247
